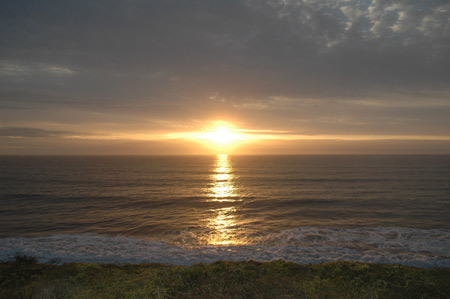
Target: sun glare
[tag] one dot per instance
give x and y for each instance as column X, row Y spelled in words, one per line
column 222, row 135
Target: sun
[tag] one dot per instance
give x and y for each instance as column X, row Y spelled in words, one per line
column 221, row 135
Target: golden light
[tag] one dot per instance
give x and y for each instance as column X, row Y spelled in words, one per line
column 222, row 189
column 222, row 135
column 223, row 224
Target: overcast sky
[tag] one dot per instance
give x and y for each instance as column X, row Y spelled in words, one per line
column 104, row 76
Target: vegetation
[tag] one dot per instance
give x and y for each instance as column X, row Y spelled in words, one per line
column 24, row 278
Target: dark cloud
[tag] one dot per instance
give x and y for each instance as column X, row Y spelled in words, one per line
column 298, row 47
column 32, row 133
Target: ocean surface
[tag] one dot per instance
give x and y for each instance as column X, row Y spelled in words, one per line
column 190, row 209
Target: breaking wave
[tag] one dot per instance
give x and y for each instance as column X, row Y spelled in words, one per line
column 304, row 245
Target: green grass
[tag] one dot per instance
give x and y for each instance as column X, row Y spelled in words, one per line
column 24, row 278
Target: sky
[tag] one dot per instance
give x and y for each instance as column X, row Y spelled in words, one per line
column 283, row 76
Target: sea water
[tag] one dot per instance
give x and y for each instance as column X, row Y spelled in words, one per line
column 190, row 209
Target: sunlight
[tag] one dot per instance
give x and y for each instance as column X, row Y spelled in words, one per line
column 223, row 231
column 222, row 189
column 222, row 135
column 223, row 224
column 219, row 137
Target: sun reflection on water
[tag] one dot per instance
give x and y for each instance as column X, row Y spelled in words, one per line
column 222, row 188
column 223, row 224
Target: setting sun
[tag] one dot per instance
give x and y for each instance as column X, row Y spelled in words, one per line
column 222, row 135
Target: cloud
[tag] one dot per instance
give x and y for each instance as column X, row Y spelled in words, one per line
column 8, row 68
column 314, row 67
column 232, row 47
column 18, row 132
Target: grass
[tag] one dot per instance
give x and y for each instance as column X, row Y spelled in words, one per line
column 24, row 278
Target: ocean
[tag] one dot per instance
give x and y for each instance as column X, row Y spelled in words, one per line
column 195, row 209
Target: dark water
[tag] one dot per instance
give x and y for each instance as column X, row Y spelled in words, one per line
column 190, row 209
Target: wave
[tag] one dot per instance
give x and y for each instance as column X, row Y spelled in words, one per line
column 303, row 245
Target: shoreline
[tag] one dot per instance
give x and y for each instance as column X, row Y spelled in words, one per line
column 303, row 245
column 24, row 277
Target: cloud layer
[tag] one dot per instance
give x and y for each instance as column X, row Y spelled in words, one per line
column 311, row 67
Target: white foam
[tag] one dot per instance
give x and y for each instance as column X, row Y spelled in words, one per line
column 407, row 246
